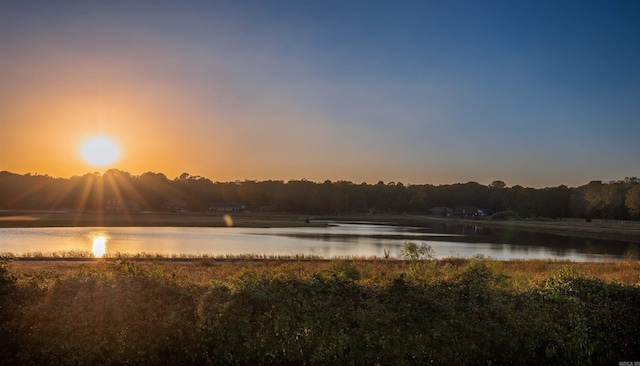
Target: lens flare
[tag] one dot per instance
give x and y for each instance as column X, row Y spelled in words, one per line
column 228, row 220
column 99, row 247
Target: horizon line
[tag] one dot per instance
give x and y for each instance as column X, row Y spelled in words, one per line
column 312, row 181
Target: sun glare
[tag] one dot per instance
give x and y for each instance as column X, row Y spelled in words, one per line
column 100, row 151
column 99, row 247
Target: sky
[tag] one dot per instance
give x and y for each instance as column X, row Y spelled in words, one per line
column 533, row 93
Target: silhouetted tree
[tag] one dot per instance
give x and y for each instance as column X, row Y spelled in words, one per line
column 498, row 184
column 632, row 201
column 615, row 200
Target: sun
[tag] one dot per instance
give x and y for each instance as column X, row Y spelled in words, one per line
column 99, row 247
column 100, row 151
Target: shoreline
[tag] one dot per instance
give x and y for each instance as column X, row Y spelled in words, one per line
column 34, row 219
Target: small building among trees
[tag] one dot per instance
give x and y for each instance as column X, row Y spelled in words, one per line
column 465, row 211
column 227, row 207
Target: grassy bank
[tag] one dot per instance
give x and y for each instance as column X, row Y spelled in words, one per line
column 288, row 310
column 629, row 232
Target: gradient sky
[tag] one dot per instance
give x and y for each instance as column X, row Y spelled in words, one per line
column 535, row 93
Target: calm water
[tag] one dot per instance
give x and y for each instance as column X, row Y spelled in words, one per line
column 338, row 240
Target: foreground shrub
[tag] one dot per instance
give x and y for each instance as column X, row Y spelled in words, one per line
column 269, row 320
column 132, row 313
column 127, row 315
column 9, row 305
column 587, row 320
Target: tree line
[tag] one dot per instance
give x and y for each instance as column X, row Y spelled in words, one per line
column 617, row 200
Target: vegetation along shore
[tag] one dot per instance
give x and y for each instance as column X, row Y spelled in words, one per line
column 288, row 310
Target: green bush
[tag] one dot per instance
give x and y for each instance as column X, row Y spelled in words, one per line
column 345, row 269
column 588, row 320
column 128, row 313
column 8, row 310
column 413, row 251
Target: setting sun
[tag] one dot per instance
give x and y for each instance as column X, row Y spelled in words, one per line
column 100, row 151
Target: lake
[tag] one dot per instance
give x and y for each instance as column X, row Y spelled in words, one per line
column 335, row 240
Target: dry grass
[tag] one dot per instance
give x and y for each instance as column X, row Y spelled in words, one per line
column 520, row 273
column 534, row 272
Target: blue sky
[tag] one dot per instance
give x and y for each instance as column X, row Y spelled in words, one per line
column 535, row 93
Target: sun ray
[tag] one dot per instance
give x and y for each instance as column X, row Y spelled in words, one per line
column 32, row 190
column 92, row 189
column 111, row 178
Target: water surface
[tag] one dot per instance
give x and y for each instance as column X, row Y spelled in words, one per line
column 336, row 240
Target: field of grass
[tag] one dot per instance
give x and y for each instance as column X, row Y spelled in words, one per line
column 252, row 310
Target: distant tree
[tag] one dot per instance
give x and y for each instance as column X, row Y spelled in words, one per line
column 594, row 194
column 156, row 189
column 498, row 184
column 578, row 204
column 526, row 201
column 614, row 196
column 421, row 200
column 633, row 201
column 601, row 200
column 553, row 202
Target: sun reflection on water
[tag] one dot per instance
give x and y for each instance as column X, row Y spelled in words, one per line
column 99, row 247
